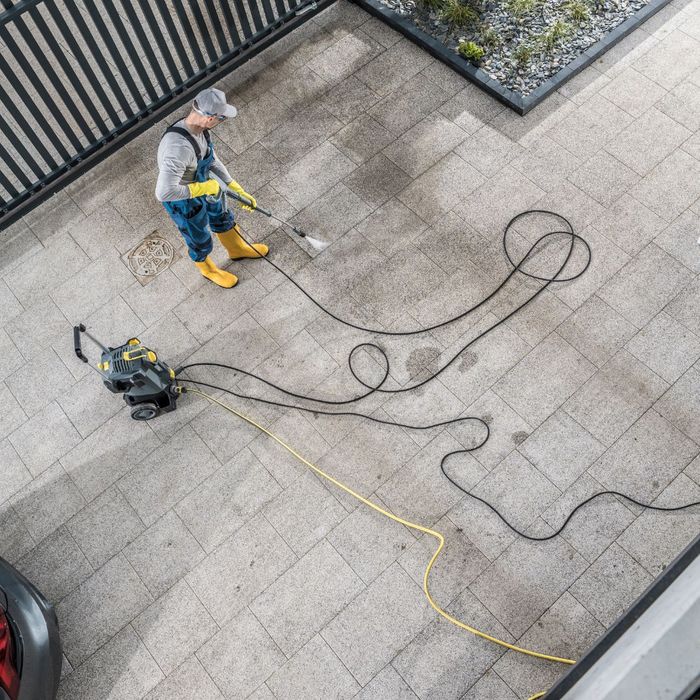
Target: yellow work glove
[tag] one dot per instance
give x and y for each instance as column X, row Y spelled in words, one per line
column 199, row 189
column 240, row 191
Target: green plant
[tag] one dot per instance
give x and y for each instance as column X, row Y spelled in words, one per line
column 490, row 37
column 555, row 35
column 434, row 5
column 577, row 10
column 471, row 51
column 459, row 15
column 522, row 54
column 519, row 8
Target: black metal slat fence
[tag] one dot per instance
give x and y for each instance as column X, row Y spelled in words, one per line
column 79, row 78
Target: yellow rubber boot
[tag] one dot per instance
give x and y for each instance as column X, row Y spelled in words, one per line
column 209, row 269
column 237, row 248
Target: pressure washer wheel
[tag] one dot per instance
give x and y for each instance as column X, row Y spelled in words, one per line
column 145, row 411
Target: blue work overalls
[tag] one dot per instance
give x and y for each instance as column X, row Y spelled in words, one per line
column 197, row 217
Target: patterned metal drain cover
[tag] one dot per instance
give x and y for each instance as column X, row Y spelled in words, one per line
column 150, row 257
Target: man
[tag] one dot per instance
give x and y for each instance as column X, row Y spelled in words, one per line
column 186, row 162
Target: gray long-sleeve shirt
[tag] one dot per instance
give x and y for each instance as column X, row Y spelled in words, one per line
column 177, row 164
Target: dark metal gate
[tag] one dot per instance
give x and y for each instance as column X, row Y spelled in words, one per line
column 79, row 78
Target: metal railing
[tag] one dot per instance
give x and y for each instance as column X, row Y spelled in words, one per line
column 79, row 78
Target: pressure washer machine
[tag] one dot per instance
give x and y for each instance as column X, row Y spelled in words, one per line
column 131, row 369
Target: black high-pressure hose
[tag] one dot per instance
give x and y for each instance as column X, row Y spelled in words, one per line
column 379, row 386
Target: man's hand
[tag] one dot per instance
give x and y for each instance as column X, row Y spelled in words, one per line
column 242, row 193
column 199, row 189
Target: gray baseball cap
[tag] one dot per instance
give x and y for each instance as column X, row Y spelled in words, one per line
column 212, row 102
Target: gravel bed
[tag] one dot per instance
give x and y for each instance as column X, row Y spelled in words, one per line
column 524, row 41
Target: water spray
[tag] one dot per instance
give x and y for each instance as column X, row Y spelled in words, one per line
column 315, row 243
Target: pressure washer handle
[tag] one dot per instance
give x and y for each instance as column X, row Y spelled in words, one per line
column 77, row 344
column 247, row 202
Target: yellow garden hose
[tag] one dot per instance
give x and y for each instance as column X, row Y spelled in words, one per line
column 414, row 526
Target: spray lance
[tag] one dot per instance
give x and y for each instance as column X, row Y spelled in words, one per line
column 313, row 242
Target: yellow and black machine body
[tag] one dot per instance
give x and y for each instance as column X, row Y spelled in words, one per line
column 132, row 369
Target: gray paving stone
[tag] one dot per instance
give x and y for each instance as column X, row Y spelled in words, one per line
column 490, row 687
column 300, row 133
column 370, row 542
column 596, row 330
column 546, row 163
column 12, row 417
column 561, row 449
column 488, row 150
column 387, row 685
column 16, row 540
column 170, row 339
column 425, row 144
column 105, row 526
column 240, row 569
column 108, row 453
column 175, row 626
column 459, row 563
column 44, row 271
column 122, row 668
column 671, row 187
column 37, row 327
column 164, row 553
column 390, row 69
column 390, row 226
column 544, row 379
column 97, row 283
column 619, row 393
column 610, row 585
column 103, row 229
column 10, row 357
column 10, row 307
column 629, row 224
column 56, row 565
column 167, row 475
column 313, row 175
column 645, row 459
column 152, row 302
column 55, row 215
column 304, row 599
column 345, row 57
column 300, row 89
column 349, row 98
column 414, row 100
column 675, row 57
column 655, row 538
column 645, row 285
column 47, row 502
column 378, row 623
column 241, row 656
column 377, row 180
column 684, row 307
column 679, row 240
column 683, row 105
column 362, row 138
column 491, row 206
column 99, row 608
column 526, row 675
column 596, row 525
column 517, row 489
column 187, row 681
column 665, row 346
column 44, row 439
column 604, row 177
column 15, row 474
column 647, row 141
column 304, row 513
column 314, row 671
column 513, row 588
column 227, row 499
column 633, row 92
column 680, row 404
column 588, row 128
column 443, row 660
column 470, row 108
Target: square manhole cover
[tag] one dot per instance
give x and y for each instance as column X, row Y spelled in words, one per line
column 150, row 257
